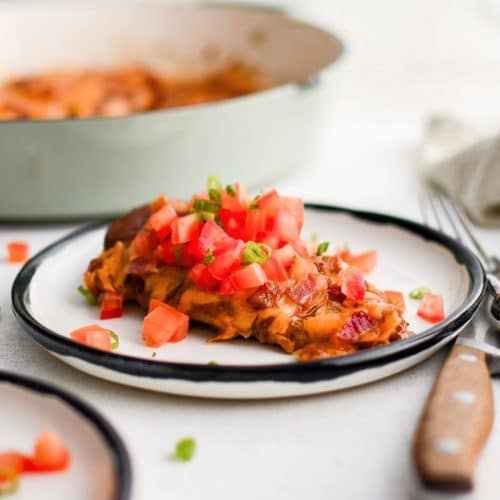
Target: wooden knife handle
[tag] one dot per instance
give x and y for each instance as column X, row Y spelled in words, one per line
column 456, row 422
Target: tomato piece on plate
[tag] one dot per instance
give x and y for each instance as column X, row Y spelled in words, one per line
column 270, row 201
column 185, row 228
column 365, row 261
column 50, row 453
column 295, row 206
column 300, row 247
column 161, row 220
column 255, row 224
column 94, row 336
column 236, row 202
column 248, row 277
column 164, row 324
column 285, row 255
column 226, row 258
column 143, row 244
column 275, row 270
column 302, row 268
column 269, row 239
column 395, row 298
column 233, row 222
column 11, row 462
column 111, row 306
column 226, row 287
column 201, row 276
column 431, row 308
column 286, row 226
column 17, row 252
column 211, row 235
column 352, row 284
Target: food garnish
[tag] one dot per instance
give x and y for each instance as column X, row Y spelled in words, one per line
column 431, row 308
column 17, row 252
column 418, row 293
column 91, row 299
column 185, row 449
column 96, row 336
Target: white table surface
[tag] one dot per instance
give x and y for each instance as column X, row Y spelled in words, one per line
column 405, row 60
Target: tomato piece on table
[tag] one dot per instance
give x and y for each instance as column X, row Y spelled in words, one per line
column 50, row 453
column 365, row 261
column 255, row 224
column 395, row 298
column 431, row 308
column 185, row 228
column 248, row 277
column 161, row 220
column 352, row 284
column 94, row 336
column 226, row 258
column 17, row 252
column 164, row 324
column 111, row 305
column 286, row 226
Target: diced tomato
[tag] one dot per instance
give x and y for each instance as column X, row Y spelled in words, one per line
column 270, row 201
column 94, row 336
column 154, row 303
column 269, row 239
column 161, row 220
column 197, row 196
column 300, row 247
column 111, row 306
column 210, row 236
column 301, row 268
column 396, row 299
column 255, row 223
column 201, row 276
column 233, row 222
column 226, row 287
column 191, row 253
column 286, row 226
column 431, row 308
column 365, row 261
column 17, row 252
column 275, row 270
column 11, row 462
column 235, row 203
column 352, row 284
column 295, row 206
column 143, row 244
column 285, row 255
column 248, row 277
column 163, row 324
column 226, row 258
column 184, row 229
column 160, row 202
column 50, row 453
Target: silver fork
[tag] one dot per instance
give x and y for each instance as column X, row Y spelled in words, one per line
column 434, row 205
column 458, row 416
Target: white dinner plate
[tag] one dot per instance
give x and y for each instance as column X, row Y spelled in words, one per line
column 99, row 468
column 47, row 305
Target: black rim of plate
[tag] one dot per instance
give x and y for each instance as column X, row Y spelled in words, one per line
column 309, row 371
column 121, row 460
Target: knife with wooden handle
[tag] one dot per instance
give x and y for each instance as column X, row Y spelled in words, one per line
column 458, row 416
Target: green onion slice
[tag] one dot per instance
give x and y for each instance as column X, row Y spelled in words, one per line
column 322, row 248
column 205, row 205
column 231, row 190
column 209, row 257
column 91, row 299
column 214, row 188
column 184, row 449
column 204, row 216
column 255, row 253
column 115, row 341
column 154, row 354
column 419, row 292
column 9, row 483
column 213, row 363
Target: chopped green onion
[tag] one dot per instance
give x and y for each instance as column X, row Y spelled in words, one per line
column 205, row 205
column 213, row 363
column 115, row 341
column 255, row 253
column 214, row 188
column 218, row 221
column 253, row 204
column 314, row 237
column 322, row 248
column 231, row 190
column 418, row 293
column 154, row 354
column 91, row 299
column 209, row 257
column 184, row 449
column 204, row 216
column 10, row 483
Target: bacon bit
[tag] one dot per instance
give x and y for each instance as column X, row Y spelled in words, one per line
column 302, row 292
column 142, row 266
column 359, row 323
column 17, row 252
column 335, row 293
column 265, row 297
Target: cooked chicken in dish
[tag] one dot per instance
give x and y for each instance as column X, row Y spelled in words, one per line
column 238, row 265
